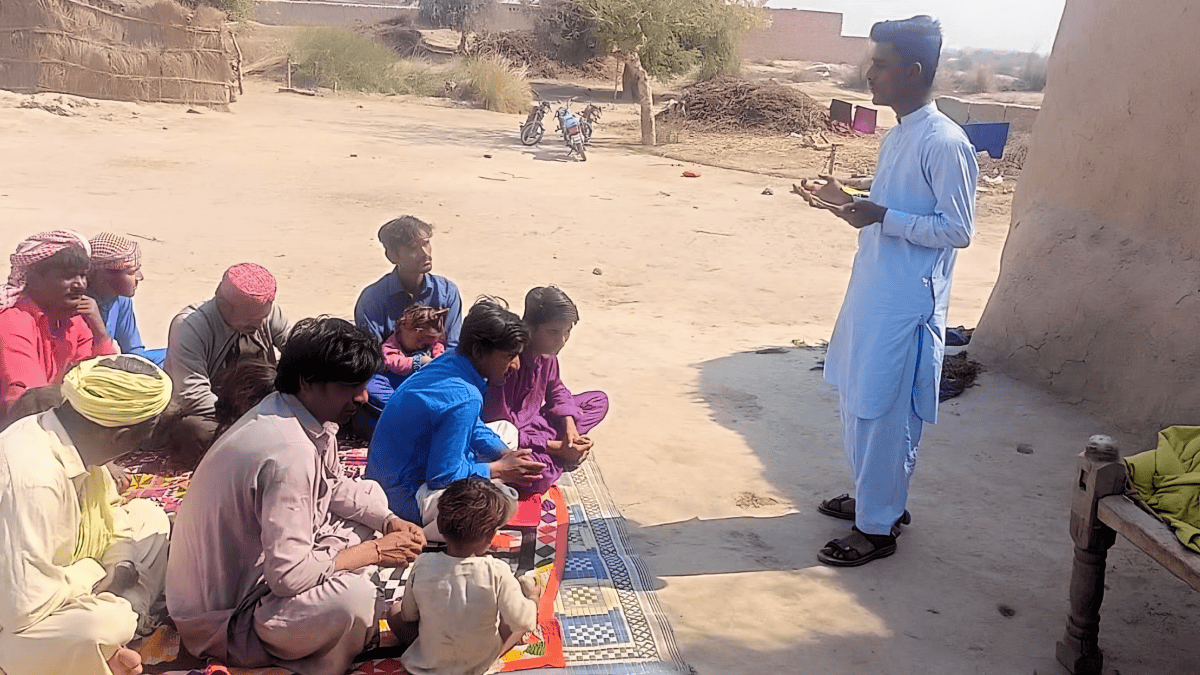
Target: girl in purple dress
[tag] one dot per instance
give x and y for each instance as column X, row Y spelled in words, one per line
column 552, row 421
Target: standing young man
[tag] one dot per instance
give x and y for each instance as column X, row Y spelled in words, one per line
column 273, row 551
column 885, row 356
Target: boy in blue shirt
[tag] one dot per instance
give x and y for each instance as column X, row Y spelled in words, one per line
column 116, row 269
column 430, row 433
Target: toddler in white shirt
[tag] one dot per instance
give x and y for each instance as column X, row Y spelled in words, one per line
column 462, row 609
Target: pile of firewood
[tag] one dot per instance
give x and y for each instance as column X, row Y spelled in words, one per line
column 732, row 104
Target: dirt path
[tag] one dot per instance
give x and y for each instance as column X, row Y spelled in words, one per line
column 716, row 455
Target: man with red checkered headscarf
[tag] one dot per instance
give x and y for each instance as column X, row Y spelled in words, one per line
column 113, row 278
column 241, row 322
column 47, row 323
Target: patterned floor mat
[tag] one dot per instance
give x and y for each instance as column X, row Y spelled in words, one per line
column 611, row 618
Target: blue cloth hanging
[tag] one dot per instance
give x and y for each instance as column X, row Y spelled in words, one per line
column 990, row 138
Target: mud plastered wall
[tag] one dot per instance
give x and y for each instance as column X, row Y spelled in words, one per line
column 1099, row 291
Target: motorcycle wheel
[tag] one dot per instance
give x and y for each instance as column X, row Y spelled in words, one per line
column 532, row 133
column 586, row 127
column 581, row 152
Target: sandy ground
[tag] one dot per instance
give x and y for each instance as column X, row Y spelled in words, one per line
column 716, row 454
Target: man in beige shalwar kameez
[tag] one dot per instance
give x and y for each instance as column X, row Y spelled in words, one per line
column 273, row 548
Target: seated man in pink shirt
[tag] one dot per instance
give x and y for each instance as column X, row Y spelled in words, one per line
column 552, row 421
column 47, row 322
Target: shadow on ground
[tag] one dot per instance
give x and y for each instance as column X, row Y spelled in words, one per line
column 981, row 576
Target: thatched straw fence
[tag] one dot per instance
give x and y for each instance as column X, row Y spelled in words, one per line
column 139, row 50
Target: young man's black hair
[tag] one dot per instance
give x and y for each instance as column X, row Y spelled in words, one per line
column 917, row 40
column 326, row 349
column 403, row 232
column 70, row 259
column 490, row 326
column 548, row 303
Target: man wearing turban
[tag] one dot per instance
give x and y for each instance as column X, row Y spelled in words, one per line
column 81, row 572
column 113, row 277
column 240, row 322
column 47, row 323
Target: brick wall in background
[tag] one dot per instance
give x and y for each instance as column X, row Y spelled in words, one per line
column 805, row 36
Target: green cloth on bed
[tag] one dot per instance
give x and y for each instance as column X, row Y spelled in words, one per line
column 1168, row 480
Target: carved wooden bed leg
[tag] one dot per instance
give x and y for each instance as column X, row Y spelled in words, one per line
column 1101, row 473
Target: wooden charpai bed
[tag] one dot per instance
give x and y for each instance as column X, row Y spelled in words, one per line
column 1099, row 512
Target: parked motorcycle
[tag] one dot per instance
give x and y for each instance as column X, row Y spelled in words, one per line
column 572, row 131
column 533, row 129
column 576, row 129
column 588, row 119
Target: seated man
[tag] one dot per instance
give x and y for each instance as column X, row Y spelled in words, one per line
column 430, row 433
column 550, row 420
column 116, row 269
column 240, row 322
column 273, row 549
column 47, row 323
column 406, row 243
column 80, row 574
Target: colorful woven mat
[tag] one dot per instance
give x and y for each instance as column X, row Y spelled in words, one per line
column 611, row 618
column 150, row 479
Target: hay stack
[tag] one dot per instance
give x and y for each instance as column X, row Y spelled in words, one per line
column 140, row 50
column 732, row 104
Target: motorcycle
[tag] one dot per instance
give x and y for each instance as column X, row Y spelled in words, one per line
column 572, row 131
column 533, row 129
column 588, row 119
column 576, row 129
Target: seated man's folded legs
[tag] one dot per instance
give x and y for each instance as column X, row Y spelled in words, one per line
column 143, row 531
column 78, row 638
column 320, row 631
column 594, row 408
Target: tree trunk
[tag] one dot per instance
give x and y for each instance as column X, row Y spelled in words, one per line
column 628, row 84
column 641, row 85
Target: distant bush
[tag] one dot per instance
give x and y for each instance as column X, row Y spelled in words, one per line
column 1033, row 75
column 236, row 10
column 857, row 78
column 496, row 84
column 330, row 56
column 982, row 80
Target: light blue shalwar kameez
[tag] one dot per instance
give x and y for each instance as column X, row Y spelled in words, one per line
column 885, row 356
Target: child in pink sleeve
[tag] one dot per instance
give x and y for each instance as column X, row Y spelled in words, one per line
column 420, row 337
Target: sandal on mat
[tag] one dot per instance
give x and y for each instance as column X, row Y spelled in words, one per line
column 842, row 506
column 856, row 549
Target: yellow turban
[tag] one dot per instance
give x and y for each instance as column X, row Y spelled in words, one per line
column 111, row 397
